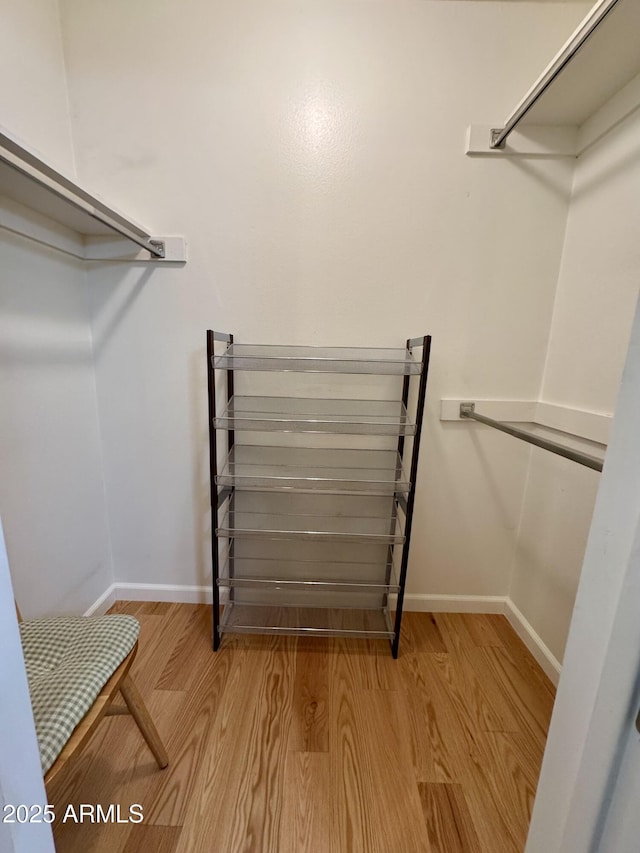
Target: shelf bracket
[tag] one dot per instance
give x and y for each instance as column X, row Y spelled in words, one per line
column 533, row 140
column 157, row 248
column 496, row 138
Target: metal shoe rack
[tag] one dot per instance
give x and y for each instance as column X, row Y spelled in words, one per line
column 312, row 498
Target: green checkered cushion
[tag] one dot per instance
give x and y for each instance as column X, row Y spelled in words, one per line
column 68, row 660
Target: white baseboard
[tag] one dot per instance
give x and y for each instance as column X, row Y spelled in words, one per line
column 454, row 603
column 549, row 663
column 415, row 602
column 179, row 593
column 102, row 604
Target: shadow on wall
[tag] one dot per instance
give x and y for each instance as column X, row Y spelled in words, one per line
column 487, row 465
column 527, row 165
column 200, row 443
column 609, row 168
column 625, row 118
column 621, row 167
column 43, row 326
column 102, row 336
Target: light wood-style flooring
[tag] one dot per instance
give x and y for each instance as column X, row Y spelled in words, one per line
column 289, row 744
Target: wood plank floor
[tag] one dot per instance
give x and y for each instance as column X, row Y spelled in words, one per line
column 287, row 745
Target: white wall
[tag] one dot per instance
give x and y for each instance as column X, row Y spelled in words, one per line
column 313, row 156
column 597, row 291
column 33, row 98
column 51, row 485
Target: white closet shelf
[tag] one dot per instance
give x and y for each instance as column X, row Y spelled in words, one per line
column 606, row 62
column 45, row 205
column 588, row 70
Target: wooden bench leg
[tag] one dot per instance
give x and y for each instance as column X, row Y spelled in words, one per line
column 138, row 710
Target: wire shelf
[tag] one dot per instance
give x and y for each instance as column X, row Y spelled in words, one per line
column 308, row 576
column 318, row 415
column 334, row 470
column 312, row 516
column 242, row 618
column 312, row 507
column 305, row 359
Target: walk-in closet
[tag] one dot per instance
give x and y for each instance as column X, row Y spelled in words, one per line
column 319, row 370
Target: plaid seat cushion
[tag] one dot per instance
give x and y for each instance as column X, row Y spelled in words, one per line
column 68, row 660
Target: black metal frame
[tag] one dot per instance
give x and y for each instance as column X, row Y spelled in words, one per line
column 217, row 498
column 227, row 493
column 425, row 342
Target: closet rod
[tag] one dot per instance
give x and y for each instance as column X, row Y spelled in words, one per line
column 42, row 175
column 156, row 248
column 591, row 22
column 47, row 243
column 467, row 410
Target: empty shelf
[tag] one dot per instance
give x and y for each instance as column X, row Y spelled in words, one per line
column 301, row 359
column 298, row 414
column 273, row 515
column 330, row 552
column 376, row 472
column 607, row 60
column 31, row 182
column 242, row 618
column 309, row 576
